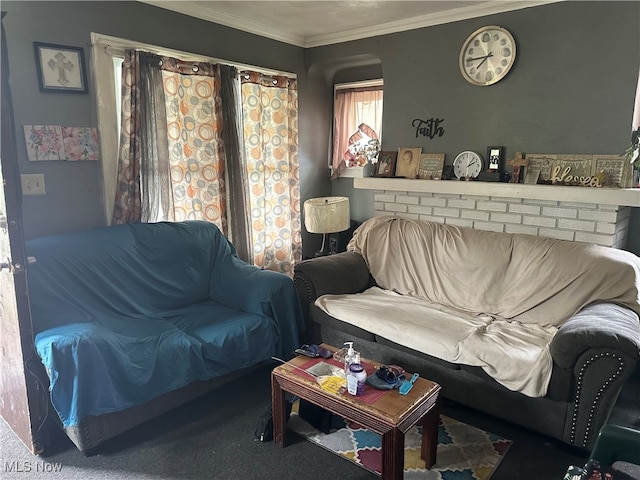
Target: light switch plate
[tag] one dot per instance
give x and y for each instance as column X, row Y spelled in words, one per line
column 32, row 184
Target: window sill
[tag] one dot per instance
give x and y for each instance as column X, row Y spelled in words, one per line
column 358, row 172
column 353, row 172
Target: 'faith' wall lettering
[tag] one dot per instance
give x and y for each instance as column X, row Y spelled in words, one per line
column 428, row 128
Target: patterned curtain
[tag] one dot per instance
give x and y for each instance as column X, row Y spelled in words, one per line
column 196, row 152
column 182, row 177
column 192, row 105
column 156, row 198
column 270, row 124
column 128, row 207
column 237, row 190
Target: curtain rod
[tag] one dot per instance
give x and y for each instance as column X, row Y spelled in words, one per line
column 378, row 82
column 115, row 47
column 118, row 52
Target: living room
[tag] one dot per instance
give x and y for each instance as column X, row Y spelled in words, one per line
column 571, row 91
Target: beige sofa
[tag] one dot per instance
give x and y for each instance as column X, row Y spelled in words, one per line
column 538, row 331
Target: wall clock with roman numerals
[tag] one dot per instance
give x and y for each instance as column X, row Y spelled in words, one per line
column 487, row 55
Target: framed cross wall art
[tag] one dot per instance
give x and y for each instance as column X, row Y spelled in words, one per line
column 60, row 68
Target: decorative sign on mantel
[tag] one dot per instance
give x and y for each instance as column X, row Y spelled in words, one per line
column 567, row 178
column 582, row 170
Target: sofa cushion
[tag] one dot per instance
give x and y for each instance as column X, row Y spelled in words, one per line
column 320, row 317
column 135, row 360
column 443, row 363
column 230, row 339
column 516, row 355
column 95, row 369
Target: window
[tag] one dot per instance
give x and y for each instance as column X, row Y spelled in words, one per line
column 198, row 167
column 117, row 81
column 107, row 57
column 357, row 111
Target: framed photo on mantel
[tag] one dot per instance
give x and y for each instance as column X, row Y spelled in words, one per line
column 386, row 165
column 408, row 161
column 494, row 165
column 495, row 159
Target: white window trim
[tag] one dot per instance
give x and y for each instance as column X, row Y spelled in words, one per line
column 104, row 48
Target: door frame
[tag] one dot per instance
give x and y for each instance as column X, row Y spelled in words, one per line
column 25, row 404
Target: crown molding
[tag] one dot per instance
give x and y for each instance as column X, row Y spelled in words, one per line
column 196, row 9
column 440, row 18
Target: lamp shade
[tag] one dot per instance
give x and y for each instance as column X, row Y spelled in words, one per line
column 326, row 214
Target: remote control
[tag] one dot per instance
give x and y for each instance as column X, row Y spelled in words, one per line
column 306, row 352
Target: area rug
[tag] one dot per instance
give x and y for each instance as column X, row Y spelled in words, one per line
column 464, row 452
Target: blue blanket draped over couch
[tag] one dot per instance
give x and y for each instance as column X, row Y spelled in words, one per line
column 123, row 314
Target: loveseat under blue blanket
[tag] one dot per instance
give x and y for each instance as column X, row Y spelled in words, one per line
column 127, row 313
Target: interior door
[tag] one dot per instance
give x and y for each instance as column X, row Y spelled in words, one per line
column 20, row 394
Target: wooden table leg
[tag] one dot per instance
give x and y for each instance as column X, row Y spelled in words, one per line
column 277, row 407
column 430, row 423
column 393, row 455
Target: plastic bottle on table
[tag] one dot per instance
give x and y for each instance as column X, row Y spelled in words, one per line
column 350, row 357
column 357, row 375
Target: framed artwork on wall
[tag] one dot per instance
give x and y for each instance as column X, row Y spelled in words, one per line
column 386, row 165
column 44, row 142
column 54, row 142
column 408, row 161
column 60, row 68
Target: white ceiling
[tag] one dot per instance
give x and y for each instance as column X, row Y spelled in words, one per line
column 311, row 23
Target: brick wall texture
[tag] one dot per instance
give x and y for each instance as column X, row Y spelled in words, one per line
column 583, row 222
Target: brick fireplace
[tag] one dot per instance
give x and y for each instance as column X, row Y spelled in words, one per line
column 592, row 215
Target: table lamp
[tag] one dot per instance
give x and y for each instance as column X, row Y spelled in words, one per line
column 326, row 215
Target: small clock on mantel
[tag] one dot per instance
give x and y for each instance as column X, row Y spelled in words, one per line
column 467, row 165
column 487, row 55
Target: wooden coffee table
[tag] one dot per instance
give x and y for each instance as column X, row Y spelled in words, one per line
column 391, row 415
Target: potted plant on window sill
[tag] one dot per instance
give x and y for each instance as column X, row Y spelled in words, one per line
column 367, row 153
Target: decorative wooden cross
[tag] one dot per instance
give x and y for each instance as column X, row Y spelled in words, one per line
column 61, row 64
column 518, row 162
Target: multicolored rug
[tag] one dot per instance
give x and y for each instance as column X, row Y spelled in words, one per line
column 464, row 452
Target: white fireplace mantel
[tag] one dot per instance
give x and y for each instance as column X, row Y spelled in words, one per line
column 604, row 196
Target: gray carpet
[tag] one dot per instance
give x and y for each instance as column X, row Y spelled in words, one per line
column 212, row 438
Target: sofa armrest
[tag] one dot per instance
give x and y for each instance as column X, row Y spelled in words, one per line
column 600, row 345
column 602, row 325
column 345, row 272
column 250, row 289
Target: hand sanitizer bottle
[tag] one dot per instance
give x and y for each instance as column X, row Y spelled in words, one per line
column 350, row 357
